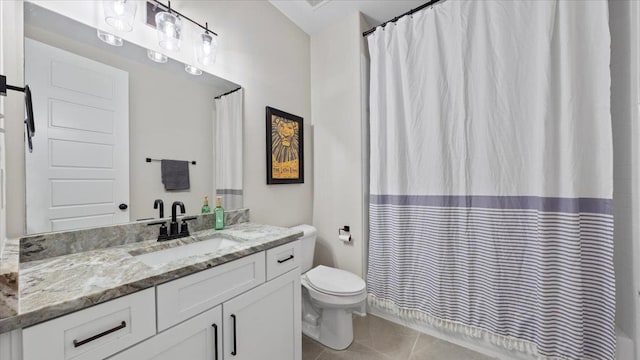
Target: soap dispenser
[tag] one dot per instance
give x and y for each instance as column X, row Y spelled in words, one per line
column 219, row 214
column 205, row 205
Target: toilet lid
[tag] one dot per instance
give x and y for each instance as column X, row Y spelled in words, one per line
column 335, row 281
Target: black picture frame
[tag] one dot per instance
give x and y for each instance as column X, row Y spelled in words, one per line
column 285, row 147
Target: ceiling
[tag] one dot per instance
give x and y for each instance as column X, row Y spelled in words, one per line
column 314, row 15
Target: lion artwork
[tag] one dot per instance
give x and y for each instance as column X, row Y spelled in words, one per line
column 284, row 148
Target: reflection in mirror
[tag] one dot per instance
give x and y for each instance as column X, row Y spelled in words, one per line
column 101, row 111
column 229, row 149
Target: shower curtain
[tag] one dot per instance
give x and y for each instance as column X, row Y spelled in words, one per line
column 228, row 169
column 491, row 174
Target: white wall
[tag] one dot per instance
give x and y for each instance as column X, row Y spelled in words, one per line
column 336, row 91
column 13, row 108
column 261, row 50
column 624, row 113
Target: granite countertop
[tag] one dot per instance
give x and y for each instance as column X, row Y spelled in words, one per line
column 60, row 285
column 9, row 278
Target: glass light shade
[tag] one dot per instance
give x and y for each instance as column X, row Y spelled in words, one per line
column 119, row 14
column 169, row 29
column 206, row 48
column 109, row 38
column 192, row 70
column 156, row 56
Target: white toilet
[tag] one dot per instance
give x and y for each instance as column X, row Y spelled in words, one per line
column 329, row 296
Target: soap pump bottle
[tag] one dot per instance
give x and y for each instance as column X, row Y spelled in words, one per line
column 205, row 205
column 219, row 214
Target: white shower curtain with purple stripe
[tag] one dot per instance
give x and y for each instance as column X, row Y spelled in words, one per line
column 491, row 174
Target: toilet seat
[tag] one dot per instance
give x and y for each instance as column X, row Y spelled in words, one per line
column 334, row 288
column 335, row 282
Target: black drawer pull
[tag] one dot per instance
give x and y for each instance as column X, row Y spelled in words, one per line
column 235, row 346
column 215, row 341
column 77, row 343
column 285, row 260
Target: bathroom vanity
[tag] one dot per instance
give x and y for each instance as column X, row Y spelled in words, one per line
column 238, row 300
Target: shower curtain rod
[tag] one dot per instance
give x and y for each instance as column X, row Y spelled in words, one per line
column 429, row 3
column 227, row 93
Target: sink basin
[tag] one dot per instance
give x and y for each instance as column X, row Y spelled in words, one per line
column 165, row 256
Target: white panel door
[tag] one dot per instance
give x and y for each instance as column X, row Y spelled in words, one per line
column 265, row 323
column 78, row 173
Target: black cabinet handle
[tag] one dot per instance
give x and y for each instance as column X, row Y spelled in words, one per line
column 235, row 345
column 285, row 260
column 77, row 343
column 215, row 341
column 123, row 206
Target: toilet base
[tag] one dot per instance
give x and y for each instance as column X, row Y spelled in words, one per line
column 335, row 329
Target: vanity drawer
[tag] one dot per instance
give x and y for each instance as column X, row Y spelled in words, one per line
column 95, row 332
column 186, row 297
column 282, row 259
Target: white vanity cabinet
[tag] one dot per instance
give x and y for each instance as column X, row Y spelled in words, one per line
column 264, row 323
column 246, row 309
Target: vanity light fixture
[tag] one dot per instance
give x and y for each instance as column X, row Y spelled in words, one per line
column 206, row 47
column 156, row 56
column 169, row 28
column 109, row 38
column 192, row 69
column 119, row 14
column 168, row 23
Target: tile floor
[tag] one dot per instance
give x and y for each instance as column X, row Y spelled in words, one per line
column 378, row 339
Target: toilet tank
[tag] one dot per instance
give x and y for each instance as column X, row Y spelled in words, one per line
column 308, row 244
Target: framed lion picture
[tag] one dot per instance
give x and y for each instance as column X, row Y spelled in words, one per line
column 285, row 144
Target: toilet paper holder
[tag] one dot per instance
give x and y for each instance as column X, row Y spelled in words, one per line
column 345, row 230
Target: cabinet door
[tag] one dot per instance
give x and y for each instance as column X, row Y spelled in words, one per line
column 199, row 338
column 264, row 323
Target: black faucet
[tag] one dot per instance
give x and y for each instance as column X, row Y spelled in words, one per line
column 173, row 228
column 160, row 203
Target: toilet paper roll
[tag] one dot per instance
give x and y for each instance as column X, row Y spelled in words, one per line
column 346, row 237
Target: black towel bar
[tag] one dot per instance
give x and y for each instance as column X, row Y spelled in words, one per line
column 150, row 160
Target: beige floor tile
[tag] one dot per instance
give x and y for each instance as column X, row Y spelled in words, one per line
column 430, row 348
column 310, row 349
column 393, row 340
column 354, row 352
column 379, row 339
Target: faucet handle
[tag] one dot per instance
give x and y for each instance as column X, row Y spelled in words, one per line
column 184, row 227
column 163, row 230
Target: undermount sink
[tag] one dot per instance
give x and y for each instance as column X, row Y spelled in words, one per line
column 202, row 247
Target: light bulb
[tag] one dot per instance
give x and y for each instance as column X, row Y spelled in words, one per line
column 118, row 7
column 156, row 56
column 169, row 28
column 109, row 38
column 206, row 48
column 192, row 69
column 119, row 14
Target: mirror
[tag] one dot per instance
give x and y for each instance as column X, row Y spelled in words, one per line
column 101, row 112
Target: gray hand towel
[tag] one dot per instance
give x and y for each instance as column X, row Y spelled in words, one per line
column 175, row 174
